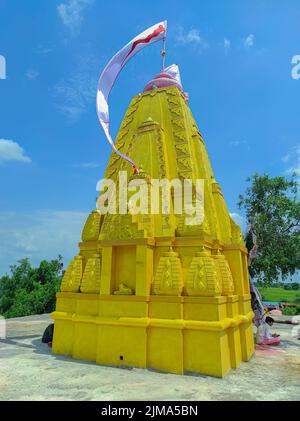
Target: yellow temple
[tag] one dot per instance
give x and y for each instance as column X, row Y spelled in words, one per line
column 149, row 290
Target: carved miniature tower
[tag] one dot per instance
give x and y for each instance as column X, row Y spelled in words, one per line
column 149, row 290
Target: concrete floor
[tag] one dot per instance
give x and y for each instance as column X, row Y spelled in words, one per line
column 28, row 371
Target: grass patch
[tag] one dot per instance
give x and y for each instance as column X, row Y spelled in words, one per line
column 279, row 294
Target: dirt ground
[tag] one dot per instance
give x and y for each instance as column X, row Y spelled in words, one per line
column 29, row 371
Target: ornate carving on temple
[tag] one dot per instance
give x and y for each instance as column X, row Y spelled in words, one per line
column 92, row 226
column 168, row 278
column 157, row 307
column 123, row 290
column 72, row 276
column 236, row 234
column 92, row 275
column 202, row 277
column 224, row 274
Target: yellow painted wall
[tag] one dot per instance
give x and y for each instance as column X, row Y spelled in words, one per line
column 172, row 311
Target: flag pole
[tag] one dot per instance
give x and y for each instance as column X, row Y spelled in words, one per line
column 163, row 53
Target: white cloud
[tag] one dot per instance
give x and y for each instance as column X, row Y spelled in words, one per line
column 87, row 165
column 249, row 41
column 192, row 37
column 32, row 74
column 227, row 45
column 295, row 168
column 2, row 67
column 240, row 220
column 72, row 113
column 43, row 50
column 12, row 151
column 71, row 13
column 294, row 162
column 238, row 142
column 286, row 158
column 75, row 93
column 39, row 235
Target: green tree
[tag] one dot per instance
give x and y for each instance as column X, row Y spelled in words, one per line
column 290, row 311
column 272, row 209
column 29, row 290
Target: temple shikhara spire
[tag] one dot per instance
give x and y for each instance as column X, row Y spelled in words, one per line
column 150, row 289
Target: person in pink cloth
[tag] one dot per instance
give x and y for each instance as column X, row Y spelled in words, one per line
column 266, row 337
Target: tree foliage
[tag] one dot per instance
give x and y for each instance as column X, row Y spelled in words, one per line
column 27, row 290
column 273, row 211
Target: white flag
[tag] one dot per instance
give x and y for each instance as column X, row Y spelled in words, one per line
column 110, row 73
column 173, row 71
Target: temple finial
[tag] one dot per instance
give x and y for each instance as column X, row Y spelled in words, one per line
column 163, row 54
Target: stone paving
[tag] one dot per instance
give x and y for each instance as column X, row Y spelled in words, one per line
column 29, row 371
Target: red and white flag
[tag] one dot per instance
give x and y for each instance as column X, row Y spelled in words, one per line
column 110, row 73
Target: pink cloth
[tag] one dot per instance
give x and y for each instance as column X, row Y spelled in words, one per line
column 169, row 77
column 271, row 341
column 276, row 312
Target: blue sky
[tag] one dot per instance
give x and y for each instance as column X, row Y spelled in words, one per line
column 235, row 61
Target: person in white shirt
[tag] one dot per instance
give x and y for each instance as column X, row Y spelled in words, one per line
column 265, row 335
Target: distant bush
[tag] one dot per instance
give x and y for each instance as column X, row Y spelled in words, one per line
column 291, row 311
column 29, row 290
column 292, row 286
